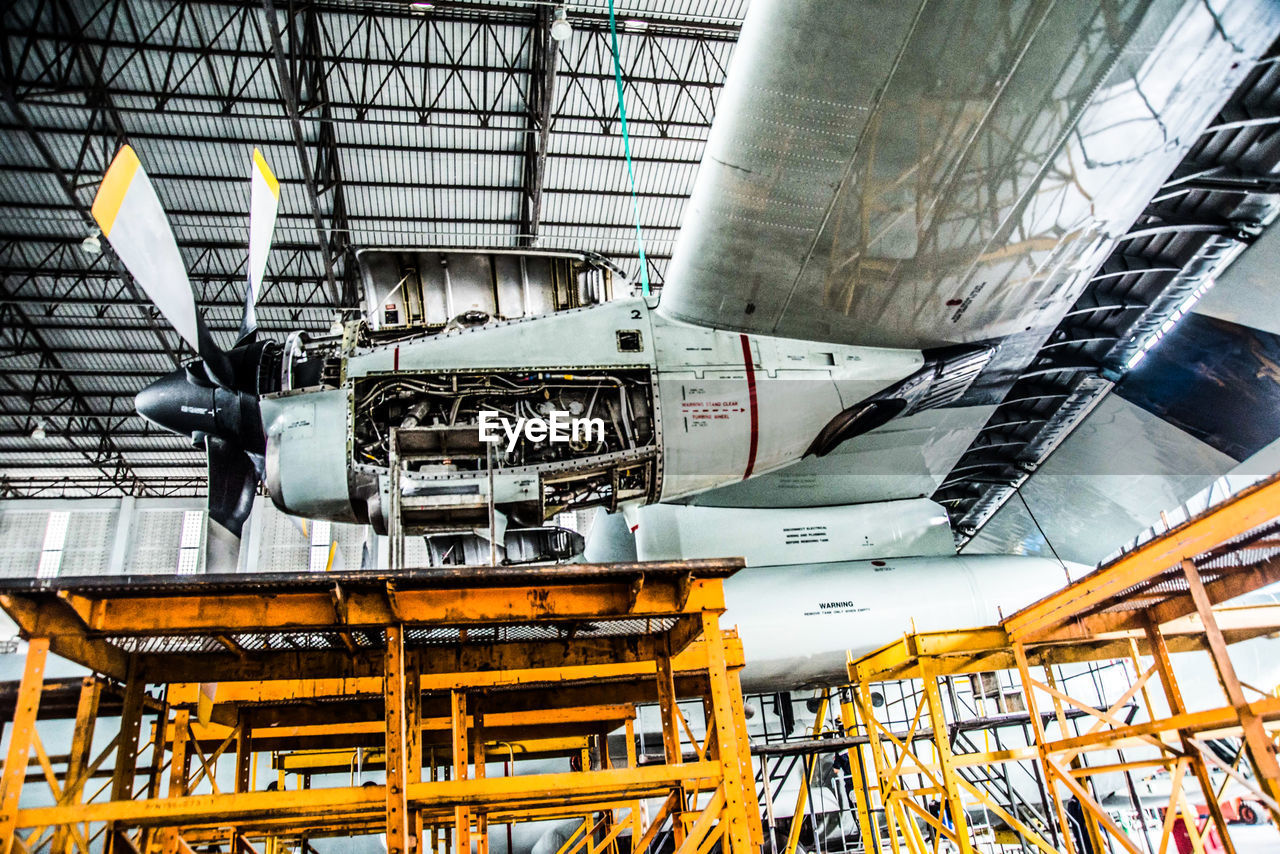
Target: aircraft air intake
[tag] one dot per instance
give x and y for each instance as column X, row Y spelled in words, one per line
column 945, row 377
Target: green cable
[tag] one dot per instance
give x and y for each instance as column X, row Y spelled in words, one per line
column 626, row 145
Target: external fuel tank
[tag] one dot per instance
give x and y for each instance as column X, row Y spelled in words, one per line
column 799, row 623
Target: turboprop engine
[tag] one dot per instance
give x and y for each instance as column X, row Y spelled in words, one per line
column 481, row 380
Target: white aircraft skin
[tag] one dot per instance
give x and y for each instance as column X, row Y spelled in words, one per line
column 802, row 604
column 798, row 624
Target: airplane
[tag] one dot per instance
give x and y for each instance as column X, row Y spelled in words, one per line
column 881, row 236
column 845, row 294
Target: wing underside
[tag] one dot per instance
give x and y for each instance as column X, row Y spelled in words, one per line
column 932, row 175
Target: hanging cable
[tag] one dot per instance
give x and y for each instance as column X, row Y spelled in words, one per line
column 1043, row 535
column 626, row 146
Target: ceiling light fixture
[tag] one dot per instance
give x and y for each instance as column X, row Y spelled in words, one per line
column 38, row 431
column 422, row 7
column 91, row 245
column 635, row 25
column 561, row 29
column 1169, row 324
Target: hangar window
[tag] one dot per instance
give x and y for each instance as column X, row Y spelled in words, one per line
column 55, row 537
column 189, row 542
column 321, row 545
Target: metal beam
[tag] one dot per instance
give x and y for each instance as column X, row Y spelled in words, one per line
column 90, row 486
column 287, row 87
column 545, row 61
column 231, row 137
column 329, row 178
column 104, row 108
column 108, row 459
column 238, row 180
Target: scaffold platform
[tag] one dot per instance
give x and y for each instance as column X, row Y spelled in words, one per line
column 1163, row 597
column 431, row 673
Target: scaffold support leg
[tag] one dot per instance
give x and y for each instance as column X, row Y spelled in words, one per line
column 413, row 739
column 733, row 785
column 478, row 761
column 1037, row 728
column 244, row 751
column 1173, row 696
column 674, row 753
column 866, row 828
column 393, row 695
column 862, row 696
column 179, row 763
column 20, row 740
column 942, row 744
column 122, row 777
column 79, row 756
column 1261, row 750
column 458, row 725
column 744, row 756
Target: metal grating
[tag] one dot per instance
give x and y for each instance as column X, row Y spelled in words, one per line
column 366, row 639
column 1235, row 554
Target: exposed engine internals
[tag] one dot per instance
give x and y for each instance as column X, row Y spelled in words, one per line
column 438, row 417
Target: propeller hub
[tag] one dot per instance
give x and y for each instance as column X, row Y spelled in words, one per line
column 178, row 404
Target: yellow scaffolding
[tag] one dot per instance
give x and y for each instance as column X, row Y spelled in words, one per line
column 1159, row 598
column 438, row 671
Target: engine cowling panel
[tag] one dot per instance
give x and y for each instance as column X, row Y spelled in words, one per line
column 555, row 441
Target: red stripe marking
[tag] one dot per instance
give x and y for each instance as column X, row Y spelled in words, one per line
column 395, row 360
column 755, row 412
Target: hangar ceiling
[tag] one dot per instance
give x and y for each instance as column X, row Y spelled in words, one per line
column 388, row 124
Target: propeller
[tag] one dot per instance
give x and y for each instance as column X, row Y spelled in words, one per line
column 214, row 399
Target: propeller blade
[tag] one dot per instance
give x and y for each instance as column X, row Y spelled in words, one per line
column 204, row 702
column 337, row 563
column 233, row 481
column 129, row 213
column 302, row 526
column 334, row 562
column 264, row 200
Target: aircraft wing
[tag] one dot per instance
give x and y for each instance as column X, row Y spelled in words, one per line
column 1203, row 403
column 934, row 174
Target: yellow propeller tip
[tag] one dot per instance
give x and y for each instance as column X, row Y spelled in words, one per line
column 119, row 177
column 260, row 163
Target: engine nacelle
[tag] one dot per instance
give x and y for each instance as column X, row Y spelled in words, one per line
column 649, row 409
